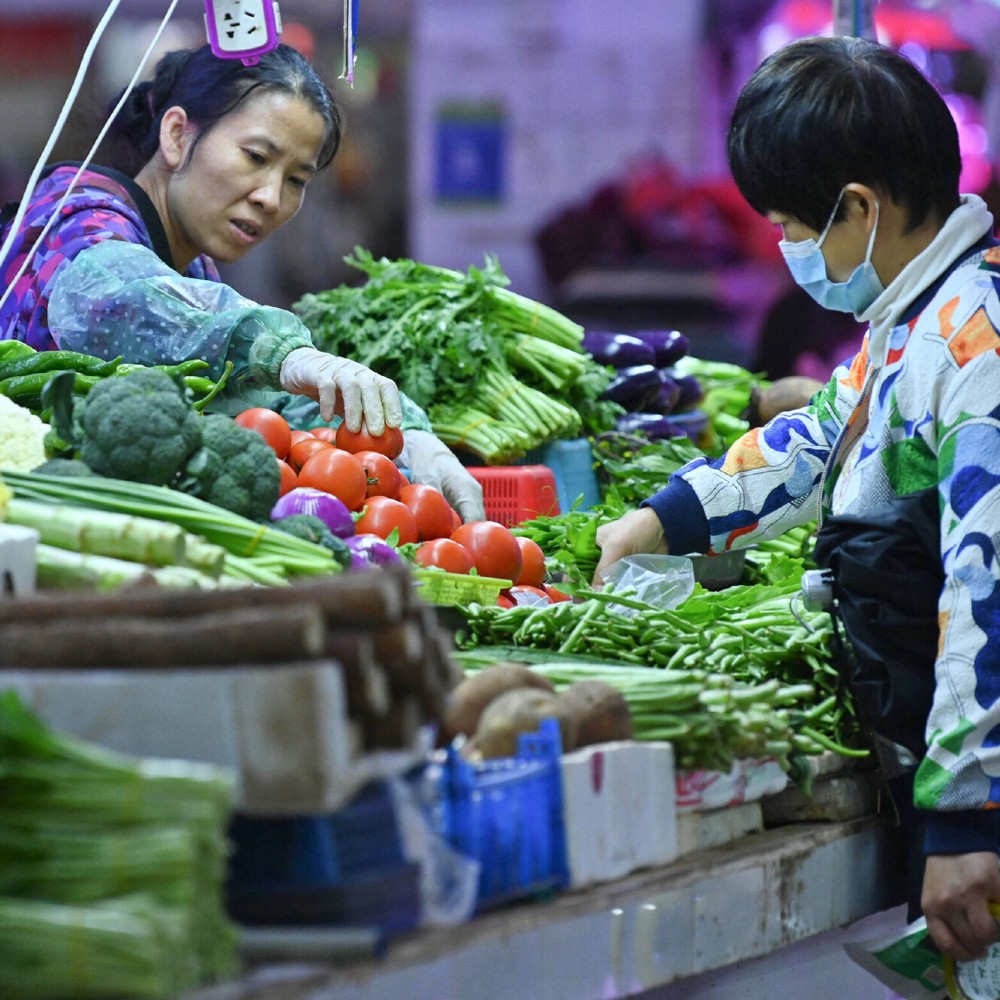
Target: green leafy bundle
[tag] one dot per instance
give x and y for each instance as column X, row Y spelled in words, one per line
column 116, row 865
column 497, row 372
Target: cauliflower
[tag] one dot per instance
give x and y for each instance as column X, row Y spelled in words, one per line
column 22, row 437
column 235, row 468
column 5, row 498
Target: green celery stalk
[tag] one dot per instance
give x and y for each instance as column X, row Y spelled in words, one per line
column 121, row 536
column 65, row 569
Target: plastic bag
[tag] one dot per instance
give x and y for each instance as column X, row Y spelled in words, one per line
column 906, row 961
column 662, row 581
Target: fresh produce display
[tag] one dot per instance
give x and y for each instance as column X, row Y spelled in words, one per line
column 116, row 867
column 498, row 373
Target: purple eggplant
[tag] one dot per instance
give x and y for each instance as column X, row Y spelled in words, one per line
column 652, row 425
column 666, row 397
column 633, row 387
column 669, row 346
column 621, row 350
column 691, row 392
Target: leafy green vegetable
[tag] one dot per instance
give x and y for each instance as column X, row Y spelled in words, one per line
column 453, row 342
column 633, row 468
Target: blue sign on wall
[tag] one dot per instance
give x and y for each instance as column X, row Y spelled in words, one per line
column 469, row 153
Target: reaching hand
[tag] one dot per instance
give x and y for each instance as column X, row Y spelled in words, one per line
column 342, row 386
column 637, row 532
column 432, row 462
column 957, row 891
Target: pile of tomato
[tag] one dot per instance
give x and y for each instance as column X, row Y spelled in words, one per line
column 359, row 469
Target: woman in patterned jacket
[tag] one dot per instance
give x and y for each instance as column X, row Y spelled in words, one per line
column 215, row 156
column 853, row 154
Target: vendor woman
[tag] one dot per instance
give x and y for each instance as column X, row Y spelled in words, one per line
column 220, row 155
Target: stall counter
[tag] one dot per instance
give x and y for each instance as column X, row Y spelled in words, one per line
column 753, row 897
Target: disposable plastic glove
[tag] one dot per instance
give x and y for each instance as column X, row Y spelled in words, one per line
column 432, row 462
column 343, row 387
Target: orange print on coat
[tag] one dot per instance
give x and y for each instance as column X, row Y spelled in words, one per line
column 744, row 455
column 945, row 326
column 942, row 617
column 975, row 337
column 856, row 376
column 992, row 255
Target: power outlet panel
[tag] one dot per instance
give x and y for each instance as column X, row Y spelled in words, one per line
column 242, row 29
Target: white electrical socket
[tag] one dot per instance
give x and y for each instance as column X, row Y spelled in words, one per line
column 242, row 29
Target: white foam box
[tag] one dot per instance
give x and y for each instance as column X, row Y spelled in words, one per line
column 283, row 730
column 700, row 831
column 619, row 807
column 18, row 560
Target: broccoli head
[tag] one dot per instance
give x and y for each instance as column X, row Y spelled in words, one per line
column 234, row 468
column 138, row 427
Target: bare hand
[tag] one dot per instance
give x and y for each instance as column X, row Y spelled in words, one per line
column 638, row 532
column 957, row 889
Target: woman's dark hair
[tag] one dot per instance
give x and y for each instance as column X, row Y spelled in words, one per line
column 208, row 88
column 824, row 112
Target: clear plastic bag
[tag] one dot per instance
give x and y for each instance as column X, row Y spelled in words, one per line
column 662, row 581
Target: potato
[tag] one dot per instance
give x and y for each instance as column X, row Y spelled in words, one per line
column 786, row 394
column 471, row 695
column 599, row 710
column 520, row 711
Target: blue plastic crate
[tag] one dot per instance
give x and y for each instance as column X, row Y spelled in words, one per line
column 285, row 852
column 572, row 465
column 507, row 814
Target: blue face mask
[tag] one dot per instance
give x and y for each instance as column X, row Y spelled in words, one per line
column 807, row 264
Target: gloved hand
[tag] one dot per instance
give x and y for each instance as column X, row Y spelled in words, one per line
column 432, row 462
column 343, row 387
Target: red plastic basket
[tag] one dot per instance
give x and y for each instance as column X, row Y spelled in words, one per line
column 516, row 493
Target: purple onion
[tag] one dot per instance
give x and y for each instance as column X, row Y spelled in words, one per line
column 331, row 510
column 371, row 552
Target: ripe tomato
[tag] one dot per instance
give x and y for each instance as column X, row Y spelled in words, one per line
column 445, row 554
column 325, row 433
column 388, row 443
column 383, row 515
column 494, row 549
column 504, row 600
column 298, row 436
column 383, row 476
column 271, row 426
column 532, row 562
column 289, row 480
column 556, row 595
column 432, row 511
column 456, row 519
column 303, row 450
column 337, row 473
